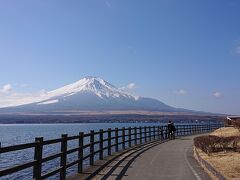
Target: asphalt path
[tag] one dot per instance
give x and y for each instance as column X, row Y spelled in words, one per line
column 171, row 160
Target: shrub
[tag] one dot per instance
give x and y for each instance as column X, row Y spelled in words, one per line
column 209, row 144
column 227, row 143
column 236, row 124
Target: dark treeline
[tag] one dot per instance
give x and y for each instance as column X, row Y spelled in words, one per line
column 123, row 118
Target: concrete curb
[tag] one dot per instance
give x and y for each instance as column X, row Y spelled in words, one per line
column 208, row 166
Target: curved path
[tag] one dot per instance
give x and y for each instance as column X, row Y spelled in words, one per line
column 171, row 160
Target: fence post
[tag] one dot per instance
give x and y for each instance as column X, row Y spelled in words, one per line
column 182, row 128
column 91, row 159
column 37, row 169
column 109, row 141
column 135, row 135
column 116, row 139
column 177, row 131
column 149, row 132
column 158, row 129
column 145, row 133
column 101, row 144
column 154, row 132
column 123, row 138
column 80, row 152
column 140, row 132
column 129, row 137
column 63, row 157
column 166, row 132
column 162, row 135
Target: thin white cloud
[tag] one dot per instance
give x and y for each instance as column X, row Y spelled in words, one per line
column 217, row 94
column 23, row 85
column 130, row 86
column 181, row 92
column 107, row 3
column 132, row 49
column 6, row 88
column 15, row 99
column 43, row 92
column 237, row 50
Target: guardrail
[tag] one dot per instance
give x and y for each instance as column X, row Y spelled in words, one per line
column 100, row 143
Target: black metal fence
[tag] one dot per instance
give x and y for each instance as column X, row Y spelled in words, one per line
column 93, row 146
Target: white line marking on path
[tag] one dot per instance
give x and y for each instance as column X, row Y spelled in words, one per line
column 189, row 165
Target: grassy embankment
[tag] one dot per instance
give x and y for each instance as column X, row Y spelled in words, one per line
column 222, row 151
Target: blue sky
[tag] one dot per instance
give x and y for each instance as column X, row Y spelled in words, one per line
column 184, row 53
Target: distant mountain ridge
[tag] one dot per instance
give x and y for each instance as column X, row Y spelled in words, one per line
column 91, row 93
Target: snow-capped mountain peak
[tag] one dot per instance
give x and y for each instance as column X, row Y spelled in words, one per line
column 89, row 93
column 95, row 85
column 91, row 85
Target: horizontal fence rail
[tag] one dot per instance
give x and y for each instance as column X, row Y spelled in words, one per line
column 98, row 144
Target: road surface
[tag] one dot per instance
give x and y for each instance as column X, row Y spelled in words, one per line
column 172, row 160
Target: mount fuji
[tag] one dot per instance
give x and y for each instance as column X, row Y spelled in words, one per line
column 90, row 94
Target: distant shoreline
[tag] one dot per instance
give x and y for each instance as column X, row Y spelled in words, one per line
column 106, row 118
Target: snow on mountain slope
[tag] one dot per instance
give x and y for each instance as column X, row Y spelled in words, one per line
column 89, row 93
column 95, row 85
column 49, row 102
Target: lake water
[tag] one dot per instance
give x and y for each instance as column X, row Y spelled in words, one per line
column 11, row 134
column 24, row 133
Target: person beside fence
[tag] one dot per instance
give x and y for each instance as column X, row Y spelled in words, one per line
column 170, row 128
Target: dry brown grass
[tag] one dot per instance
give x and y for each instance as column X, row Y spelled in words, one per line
column 226, row 132
column 228, row 164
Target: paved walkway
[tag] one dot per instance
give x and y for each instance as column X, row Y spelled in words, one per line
column 172, row 160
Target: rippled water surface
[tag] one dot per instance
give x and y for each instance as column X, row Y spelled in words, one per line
column 24, row 133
